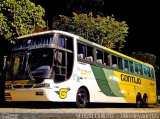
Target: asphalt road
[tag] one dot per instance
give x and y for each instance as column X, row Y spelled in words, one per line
column 100, row 111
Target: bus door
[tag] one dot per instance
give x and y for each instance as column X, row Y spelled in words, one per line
column 60, row 69
column 63, row 58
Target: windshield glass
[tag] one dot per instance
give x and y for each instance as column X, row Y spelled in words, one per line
column 33, row 64
column 16, row 67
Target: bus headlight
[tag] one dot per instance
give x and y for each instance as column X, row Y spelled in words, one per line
column 41, row 85
column 7, row 94
column 8, row 86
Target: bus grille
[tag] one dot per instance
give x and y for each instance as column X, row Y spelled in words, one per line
column 23, row 86
column 28, row 86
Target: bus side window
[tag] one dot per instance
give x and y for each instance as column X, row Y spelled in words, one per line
column 131, row 66
column 149, row 72
column 152, row 72
column 136, row 68
column 106, row 59
column 114, row 61
column 126, row 66
column 146, row 71
column 120, row 63
column 81, row 51
column 99, row 55
column 90, row 52
column 140, row 69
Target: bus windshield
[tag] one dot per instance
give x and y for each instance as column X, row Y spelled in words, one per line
column 34, row 64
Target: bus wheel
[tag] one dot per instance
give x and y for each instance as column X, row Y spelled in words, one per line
column 145, row 102
column 82, row 98
column 139, row 102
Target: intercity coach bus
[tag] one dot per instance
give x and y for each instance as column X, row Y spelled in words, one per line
column 58, row 66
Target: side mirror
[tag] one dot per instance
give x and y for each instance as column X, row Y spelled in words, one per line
column 58, row 57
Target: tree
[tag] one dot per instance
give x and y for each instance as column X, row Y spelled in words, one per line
column 146, row 57
column 3, row 24
column 19, row 17
column 105, row 31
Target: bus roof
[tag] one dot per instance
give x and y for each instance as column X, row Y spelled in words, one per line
column 47, row 32
column 85, row 41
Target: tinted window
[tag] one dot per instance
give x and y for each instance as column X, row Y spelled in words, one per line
column 81, row 51
column 136, row 68
column 126, row 66
column 152, row 73
column 99, row 57
column 106, row 58
column 114, row 61
column 147, row 71
column 140, row 69
column 90, row 52
column 131, row 66
column 120, row 63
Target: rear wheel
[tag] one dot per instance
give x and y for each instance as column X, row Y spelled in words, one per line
column 145, row 102
column 82, row 98
column 139, row 102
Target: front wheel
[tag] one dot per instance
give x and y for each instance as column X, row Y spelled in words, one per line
column 82, row 98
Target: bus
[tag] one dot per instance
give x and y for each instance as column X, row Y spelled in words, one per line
column 58, row 66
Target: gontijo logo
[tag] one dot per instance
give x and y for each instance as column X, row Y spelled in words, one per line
column 63, row 92
column 131, row 79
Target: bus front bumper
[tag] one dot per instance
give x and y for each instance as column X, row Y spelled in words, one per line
column 31, row 95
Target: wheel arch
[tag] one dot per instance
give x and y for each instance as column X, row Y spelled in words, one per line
column 145, row 95
column 138, row 96
column 145, row 99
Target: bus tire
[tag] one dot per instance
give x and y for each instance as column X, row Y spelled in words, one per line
column 145, row 101
column 82, row 98
column 139, row 102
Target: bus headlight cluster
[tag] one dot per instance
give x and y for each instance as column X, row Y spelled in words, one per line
column 42, row 85
column 8, row 86
column 7, row 94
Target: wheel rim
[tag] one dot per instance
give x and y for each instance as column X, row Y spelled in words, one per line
column 145, row 101
column 139, row 103
column 82, row 98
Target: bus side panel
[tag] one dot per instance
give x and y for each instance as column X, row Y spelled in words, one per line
column 108, row 84
column 131, row 85
column 100, row 89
